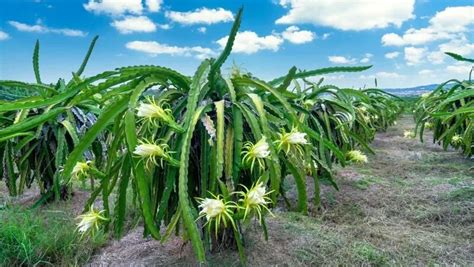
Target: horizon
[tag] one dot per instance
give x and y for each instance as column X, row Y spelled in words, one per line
column 405, row 41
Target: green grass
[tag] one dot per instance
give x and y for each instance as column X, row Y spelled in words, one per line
column 366, row 252
column 30, row 238
column 462, row 194
column 365, row 182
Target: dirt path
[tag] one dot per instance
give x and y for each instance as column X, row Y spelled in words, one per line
column 413, row 204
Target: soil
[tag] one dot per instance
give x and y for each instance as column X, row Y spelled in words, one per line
column 412, row 204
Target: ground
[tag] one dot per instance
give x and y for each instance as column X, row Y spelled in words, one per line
column 412, row 204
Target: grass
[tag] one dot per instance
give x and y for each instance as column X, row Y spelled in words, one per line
column 30, row 238
column 366, row 252
column 462, row 194
column 365, row 182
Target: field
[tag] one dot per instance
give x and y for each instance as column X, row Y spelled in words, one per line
column 411, row 206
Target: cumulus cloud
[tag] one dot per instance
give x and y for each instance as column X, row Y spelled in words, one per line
column 202, row 29
column 366, row 58
column 460, row 46
column 115, row 8
column 294, row 35
column 460, row 68
column 4, row 36
column 341, row 60
column 200, row 16
column 132, row 24
column 450, row 23
column 154, row 48
column 249, row 42
column 392, row 55
column 348, row 14
column 414, row 55
column 154, row 5
column 39, row 28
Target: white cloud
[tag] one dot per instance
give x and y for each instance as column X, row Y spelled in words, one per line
column 459, row 68
column 326, row 36
column 436, row 57
column 392, row 39
column 201, row 16
column 132, row 24
column 202, row 29
column 460, row 46
column 154, row 5
column 28, row 28
column 249, row 42
column 341, row 60
column 334, row 77
column 163, row 26
column 348, row 14
column 154, row 48
column 414, row 55
column 39, row 28
column 4, row 36
column 450, row 23
column 392, row 55
column 426, row 72
column 382, row 74
column 115, row 7
column 294, row 35
column 366, row 58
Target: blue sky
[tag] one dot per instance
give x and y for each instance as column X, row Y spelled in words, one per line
column 403, row 39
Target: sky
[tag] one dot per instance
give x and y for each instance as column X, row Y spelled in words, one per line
column 404, row 40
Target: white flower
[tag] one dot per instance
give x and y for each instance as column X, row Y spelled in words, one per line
column 217, row 211
column 261, row 149
column 148, row 150
column 291, row 141
column 356, row 156
column 408, row 134
column 90, row 220
column 297, row 138
column 456, row 140
column 255, row 199
column 212, row 207
column 154, row 113
column 256, row 195
column 256, row 152
column 151, row 151
column 80, row 169
column 152, row 110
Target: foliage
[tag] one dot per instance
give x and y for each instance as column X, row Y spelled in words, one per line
column 449, row 112
column 179, row 140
